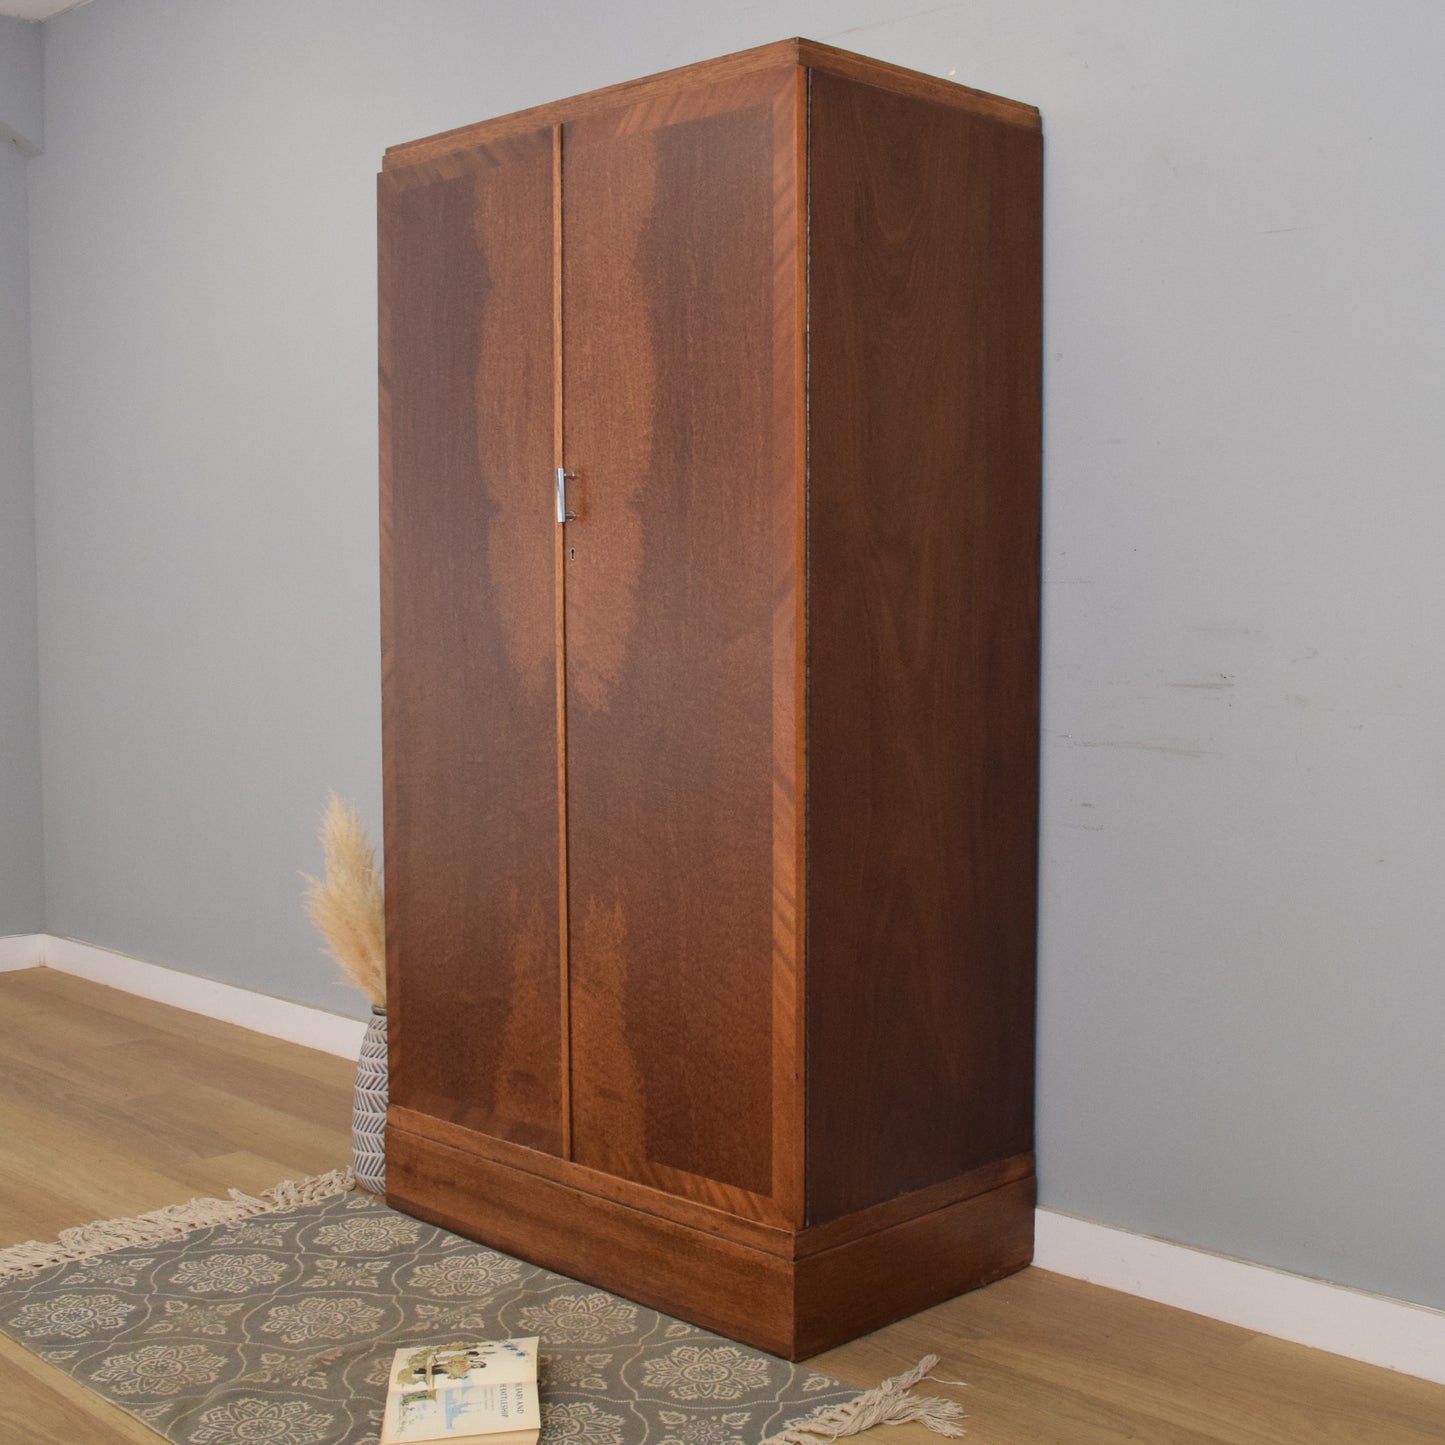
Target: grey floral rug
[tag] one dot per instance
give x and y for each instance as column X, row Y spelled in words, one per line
column 279, row 1327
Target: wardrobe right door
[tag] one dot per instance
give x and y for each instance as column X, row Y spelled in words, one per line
column 680, row 345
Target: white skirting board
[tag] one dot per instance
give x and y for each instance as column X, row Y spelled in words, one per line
column 295, row 1022
column 20, row 950
column 1376, row 1330
column 1379, row 1331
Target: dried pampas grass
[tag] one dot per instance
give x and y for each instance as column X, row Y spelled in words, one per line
column 347, row 904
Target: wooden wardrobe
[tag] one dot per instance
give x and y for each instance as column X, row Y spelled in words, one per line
column 710, row 521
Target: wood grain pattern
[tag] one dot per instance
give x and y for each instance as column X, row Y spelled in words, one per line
column 923, row 642
column 469, row 640
column 1054, row 1361
column 1048, row 1360
column 112, row 1104
column 790, row 654
column 739, row 1292
column 736, row 1224
column 40, row 1406
column 871, row 1281
column 711, row 1218
column 828, row 60
column 671, row 221
column 792, row 1309
column 902, row 484
column 904, row 1208
column 789, row 54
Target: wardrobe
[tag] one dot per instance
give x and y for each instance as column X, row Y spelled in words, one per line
column 710, row 553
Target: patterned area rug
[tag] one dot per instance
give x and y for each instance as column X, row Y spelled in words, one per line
column 276, row 1323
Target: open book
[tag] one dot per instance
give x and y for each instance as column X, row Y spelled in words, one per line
column 465, row 1394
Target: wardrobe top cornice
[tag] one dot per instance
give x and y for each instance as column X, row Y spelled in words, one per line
column 782, row 53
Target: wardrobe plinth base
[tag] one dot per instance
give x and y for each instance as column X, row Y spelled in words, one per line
column 794, row 1307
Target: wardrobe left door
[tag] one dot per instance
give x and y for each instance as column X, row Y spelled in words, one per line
column 467, row 262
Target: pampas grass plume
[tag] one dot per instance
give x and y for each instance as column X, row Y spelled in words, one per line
column 346, row 905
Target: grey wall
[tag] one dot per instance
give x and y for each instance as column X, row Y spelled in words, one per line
column 1241, row 925
column 22, row 894
column 22, row 84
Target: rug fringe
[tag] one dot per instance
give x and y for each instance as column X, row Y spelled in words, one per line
column 887, row 1404
column 85, row 1241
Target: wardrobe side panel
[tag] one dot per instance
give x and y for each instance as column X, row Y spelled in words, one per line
column 923, row 652
column 469, row 639
column 677, row 570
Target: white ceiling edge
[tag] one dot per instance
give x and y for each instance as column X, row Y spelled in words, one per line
column 37, row 9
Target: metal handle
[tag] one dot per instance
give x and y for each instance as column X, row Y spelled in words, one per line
column 563, row 477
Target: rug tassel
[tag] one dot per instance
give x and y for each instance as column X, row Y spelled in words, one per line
column 888, row 1404
column 85, row 1241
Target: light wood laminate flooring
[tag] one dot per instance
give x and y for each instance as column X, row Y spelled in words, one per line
column 113, row 1105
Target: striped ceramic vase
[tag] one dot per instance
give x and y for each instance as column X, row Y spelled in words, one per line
column 368, row 1110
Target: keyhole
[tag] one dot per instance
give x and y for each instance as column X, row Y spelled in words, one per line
column 572, row 553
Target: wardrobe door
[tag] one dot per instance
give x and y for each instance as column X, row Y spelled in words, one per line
column 680, row 339
column 467, row 264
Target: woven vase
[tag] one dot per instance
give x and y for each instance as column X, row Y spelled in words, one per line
column 368, row 1109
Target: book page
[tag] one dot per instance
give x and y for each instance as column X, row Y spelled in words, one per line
column 462, row 1390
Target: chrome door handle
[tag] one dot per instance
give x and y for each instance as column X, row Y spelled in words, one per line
column 563, row 477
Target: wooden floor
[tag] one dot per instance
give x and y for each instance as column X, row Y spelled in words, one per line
column 112, row 1105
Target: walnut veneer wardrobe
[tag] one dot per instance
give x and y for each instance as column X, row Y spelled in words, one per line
column 710, row 478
